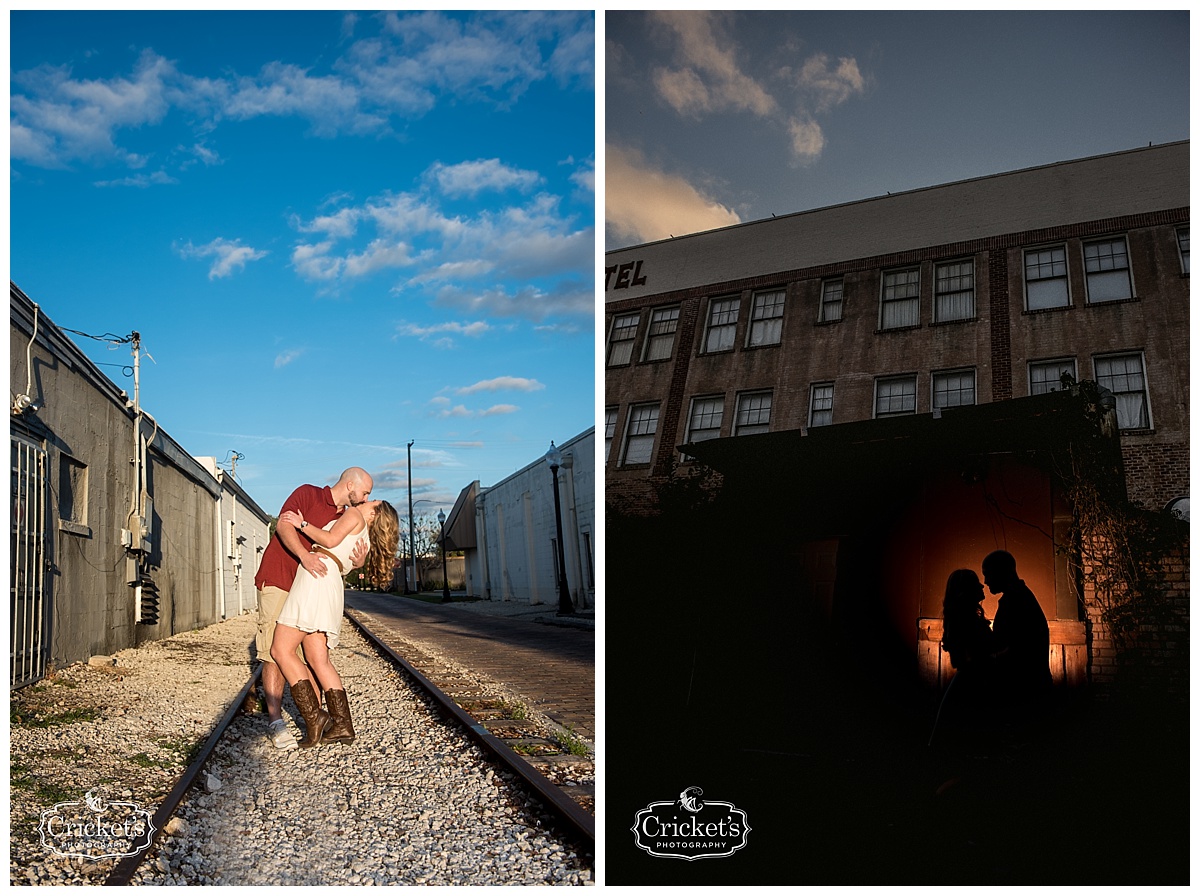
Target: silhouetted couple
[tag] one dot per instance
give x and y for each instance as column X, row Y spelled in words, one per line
column 1002, row 672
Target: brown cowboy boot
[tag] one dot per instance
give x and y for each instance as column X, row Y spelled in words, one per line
column 342, row 732
column 316, row 720
column 250, row 704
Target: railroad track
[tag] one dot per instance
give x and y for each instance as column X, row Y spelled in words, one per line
column 525, row 749
column 482, row 722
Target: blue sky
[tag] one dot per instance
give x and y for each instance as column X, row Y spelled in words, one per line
column 336, row 233
column 712, row 118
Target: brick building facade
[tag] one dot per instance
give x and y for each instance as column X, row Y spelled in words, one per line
column 918, row 305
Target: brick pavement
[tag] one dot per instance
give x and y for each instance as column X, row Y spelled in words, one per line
column 552, row 666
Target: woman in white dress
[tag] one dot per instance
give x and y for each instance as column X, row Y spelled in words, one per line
column 312, row 613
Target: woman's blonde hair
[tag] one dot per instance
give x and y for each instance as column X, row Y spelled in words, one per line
column 380, row 565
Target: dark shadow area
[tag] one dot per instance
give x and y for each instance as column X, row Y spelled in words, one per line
column 723, row 674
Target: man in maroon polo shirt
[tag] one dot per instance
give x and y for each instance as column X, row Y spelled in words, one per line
column 289, row 549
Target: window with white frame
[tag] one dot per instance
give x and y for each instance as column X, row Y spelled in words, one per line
column 1183, row 236
column 953, row 388
column 753, row 414
column 954, row 291
column 610, row 428
column 1124, row 376
column 639, row 434
column 831, row 300
column 1046, row 278
column 896, row 396
column 901, row 300
column 766, row 318
column 1107, row 265
column 660, row 338
column 722, row 324
column 1046, row 376
column 620, row 339
column 704, row 421
column 820, row 404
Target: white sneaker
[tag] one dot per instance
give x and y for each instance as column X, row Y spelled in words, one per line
column 280, row 736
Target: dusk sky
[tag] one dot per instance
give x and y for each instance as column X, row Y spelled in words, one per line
column 713, row 118
column 336, row 233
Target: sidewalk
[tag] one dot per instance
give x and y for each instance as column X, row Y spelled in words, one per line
column 546, row 614
column 546, row 659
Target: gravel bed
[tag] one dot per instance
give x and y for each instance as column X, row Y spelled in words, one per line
column 412, row 801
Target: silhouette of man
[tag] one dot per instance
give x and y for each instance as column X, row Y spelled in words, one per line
column 1021, row 633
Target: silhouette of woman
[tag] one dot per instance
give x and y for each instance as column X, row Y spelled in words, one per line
column 968, row 704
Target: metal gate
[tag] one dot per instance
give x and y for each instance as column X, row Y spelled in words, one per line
column 28, row 617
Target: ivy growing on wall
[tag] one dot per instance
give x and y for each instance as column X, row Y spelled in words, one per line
column 1119, row 552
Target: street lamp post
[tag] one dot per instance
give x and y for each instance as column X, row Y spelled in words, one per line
column 565, row 606
column 445, row 577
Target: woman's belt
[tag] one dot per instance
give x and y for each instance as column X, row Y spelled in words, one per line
column 328, row 553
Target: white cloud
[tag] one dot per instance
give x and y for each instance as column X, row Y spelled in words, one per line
column 471, row 257
column 440, row 335
column 585, row 178
column 283, row 359
column 709, row 78
column 330, row 103
column 807, row 138
column 206, row 155
column 56, row 119
column 644, row 203
column 230, row 256
column 472, row 178
column 403, row 68
column 340, row 225
column 459, row 411
column 829, row 85
column 139, row 180
column 527, row 302
column 502, row 383
column 312, row 261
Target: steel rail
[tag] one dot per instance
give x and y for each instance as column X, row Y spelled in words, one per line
column 123, row 871
column 562, row 806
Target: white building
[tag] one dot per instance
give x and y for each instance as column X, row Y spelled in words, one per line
column 242, row 532
column 508, row 532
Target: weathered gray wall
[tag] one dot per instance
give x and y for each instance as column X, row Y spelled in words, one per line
column 81, row 419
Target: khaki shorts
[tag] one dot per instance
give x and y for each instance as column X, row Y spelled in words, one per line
column 270, row 602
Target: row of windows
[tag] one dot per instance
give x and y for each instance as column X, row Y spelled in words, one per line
column 1109, row 278
column 1123, row 375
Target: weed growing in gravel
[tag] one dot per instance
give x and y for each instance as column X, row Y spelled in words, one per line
column 571, row 742
column 29, row 717
column 515, row 711
column 23, row 777
column 186, row 748
column 144, row 761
